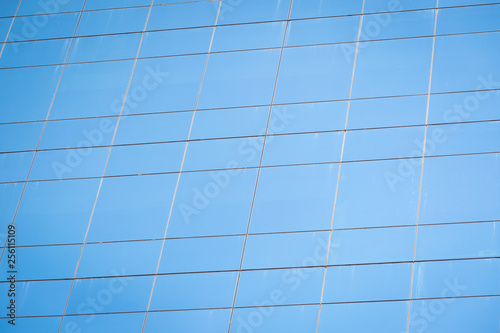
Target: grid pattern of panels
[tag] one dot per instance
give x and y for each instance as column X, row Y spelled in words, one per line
column 251, row 165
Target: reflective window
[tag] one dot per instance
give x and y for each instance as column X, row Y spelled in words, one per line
column 454, row 20
column 15, row 166
column 124, row 323
column 98, row 4
column 15, row 137
column 252, row 11
column 9, row 198
column 32, row 324
column 210, row 321
column 374, row 6
column 46, row 52
column 172, row 42
column 44, row 26
column 315, row 8
column 248, row 36
column 112, row 21
column 323, row 30
column 104, row 48
column 28, row 7
column 194, row 14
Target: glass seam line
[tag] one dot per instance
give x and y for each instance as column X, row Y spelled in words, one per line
column 181, row 166
column 422, row 167
column 10, row 28
column 25, row 182
column 260, row 164
column 105, row 165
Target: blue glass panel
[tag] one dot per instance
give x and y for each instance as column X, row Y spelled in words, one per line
column 380, row 193
column 112, row 21
column 446, row 3
column 4, row 27
column 15, row 166
column 367, row 283
column 123, row 323
column 457, row 20
column 248, row 36
column 324, row 30
column 316, row 73
column 132, row 208
column 458, row 241
column 192, row 291
column 116, row 294
column 209, row 321
column 235, row 74
column 39, row 83
column 283, row 250
column 213, row 203
column 201, row 254
column 280, row 206
column 23, row 136
column 315, row 8
column 99, row 4
column 351, row 246
column 195, row 14
column 44, row 26
column 476, row 197
column 78, row 133
column 172, row 42
column 282, row 286
column 374, row 6
column 127, row 258
column 9, row 198
column 91, row 89
column 28, row 7
column 8, row 8
column 104, row 48
column 56, row 212
column 252, row 11
column 36, row 324
column 37, row 53
column 307, row 148
column 389, row 68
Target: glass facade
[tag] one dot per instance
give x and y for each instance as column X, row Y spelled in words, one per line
column 240, row 166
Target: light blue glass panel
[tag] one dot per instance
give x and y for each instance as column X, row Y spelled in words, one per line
column 398, row 25
column 323, row 30
column 446, row 3
column 209, row 321
column 153, row 128
column 201, row 254
column 165, row 84
column 116, row 294
column 456, row 315
column 230, row 122
column 46, row 52
column 309, row 117
column 195, row 14
column 283, row 250
column 315, row 8
column 213, row 203
column 248, row 36
column 384, row 143
column 15, row 166
column 252, row 11
column 281, row 286
column 8, row 8
column 303, row 148
column 172, row 42
column 313, row 74
column 132, row 208
column 56, row 212
column 44, row 26
column 384, row 112
column 91, row 89
column 44, row 262
column 294, row 198
column 144, row 159
column 476, row 197
column 380, row 193
column 104, row 48
column 458, row 241
column 78, row 133
column 194, row 291
column 478, row 105
column 463, row 138
column 15, row 137
column 28, row 7
column 112, row 21
column 350, row 246
column 39, row 83
column 123, row 323
column 374, row 6
column 9, row 198
column 36, row 324
column 456, row 278
column 231, row 76
column 367, row 283
column 125, row 258
column 458, row 20
column 390, row 68
column 364, row 317
column 4, row 27
column 224, row 153
column 99, row 4
column 69, row 163
column 29, row 294
column 478, row 70
column 270, row 319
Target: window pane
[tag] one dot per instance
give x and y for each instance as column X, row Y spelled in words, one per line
column 210, row 321
column 373, row 6
column 194, row 14
column 456, row 20
column 248, row 36
column 15, row 166
column 98, row 4
column 252, row 11
column 44, row 26
column 15, row 137
column 46, row 52
column 315, row 8
column 28, row 7
column 104, row 48
column 185, row 41
column 322, row 31
column 123, row 323
column 112, row 21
